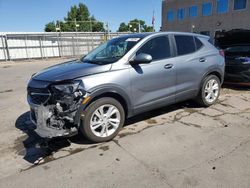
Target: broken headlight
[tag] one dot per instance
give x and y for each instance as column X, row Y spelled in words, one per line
column 68, row 92
column 69, row 88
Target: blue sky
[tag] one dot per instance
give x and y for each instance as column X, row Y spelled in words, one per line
column 32, row 15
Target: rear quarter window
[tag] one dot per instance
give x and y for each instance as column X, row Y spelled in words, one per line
column 198, row 43
column 185, row 44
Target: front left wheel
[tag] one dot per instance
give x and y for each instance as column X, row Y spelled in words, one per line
column 103, row 120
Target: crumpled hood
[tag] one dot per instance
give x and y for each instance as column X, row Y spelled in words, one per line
column 69, row 70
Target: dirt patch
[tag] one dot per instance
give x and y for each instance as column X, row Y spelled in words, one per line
column 18, row 145
column 117, row 159
column 190, row 110
column 46, row 167
column 74, row 151
column 48, row 159
column 7, row 91
column 121, row 135
column 6, row 66
column 104, row 148
column 151, row 121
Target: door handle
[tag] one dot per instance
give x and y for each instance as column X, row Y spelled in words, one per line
column 202, row 59
column 168, row 66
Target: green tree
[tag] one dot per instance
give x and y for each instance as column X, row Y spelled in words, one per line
column 123, row 27
column 50, row 27
column 79, row 15
column 134, row 26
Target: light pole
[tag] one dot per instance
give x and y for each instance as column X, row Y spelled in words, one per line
column 58, row 29
column 192, row 28
column 130, row 27
column 77, row 25
column 139, row 24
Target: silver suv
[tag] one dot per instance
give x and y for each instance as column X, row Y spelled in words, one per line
column 125, row 76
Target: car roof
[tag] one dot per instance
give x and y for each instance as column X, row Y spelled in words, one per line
column 143, row 35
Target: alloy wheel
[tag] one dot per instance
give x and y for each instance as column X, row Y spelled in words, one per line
column 105, row 120
column 211, row 90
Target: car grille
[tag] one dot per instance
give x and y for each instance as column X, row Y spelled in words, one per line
column 38, row 95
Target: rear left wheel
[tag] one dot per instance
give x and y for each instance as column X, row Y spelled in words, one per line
column 210, row 91
column 103, row 120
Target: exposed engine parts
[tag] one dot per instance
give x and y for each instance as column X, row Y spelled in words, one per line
column 56, row 117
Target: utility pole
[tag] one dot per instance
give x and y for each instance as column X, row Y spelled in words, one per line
column 77, row 25
column 91, row 30
column 139, row 27
column 107, row 25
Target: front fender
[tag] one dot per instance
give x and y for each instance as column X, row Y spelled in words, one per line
column 95, row 93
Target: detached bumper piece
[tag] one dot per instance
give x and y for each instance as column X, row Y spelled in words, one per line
column 53, row 111
column 49, row 124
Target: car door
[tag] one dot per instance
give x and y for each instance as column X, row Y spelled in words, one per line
column 153, row 84
column 190, row 65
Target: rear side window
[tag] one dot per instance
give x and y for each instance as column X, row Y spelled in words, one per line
column 158, row 48
column 185, row 44
column 198, row 43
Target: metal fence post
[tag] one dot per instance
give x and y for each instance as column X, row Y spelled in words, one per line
column 40, row 44
column 92, row 41
column 73, row 46
column 4, row 50
column 87, row 40
column 58, row 43
column 26, row 48
column 7, row 48
column 44, row 54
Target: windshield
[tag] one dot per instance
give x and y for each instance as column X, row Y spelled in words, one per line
column 111, row 51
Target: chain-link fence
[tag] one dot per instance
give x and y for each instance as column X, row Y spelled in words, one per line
column 14, row 46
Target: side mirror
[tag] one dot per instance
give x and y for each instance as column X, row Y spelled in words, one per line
column 142, row 59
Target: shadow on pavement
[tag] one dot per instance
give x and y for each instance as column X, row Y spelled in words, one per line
column 154, row 113
column 36, row 148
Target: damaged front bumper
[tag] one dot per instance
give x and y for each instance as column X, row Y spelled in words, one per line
column 54, row 112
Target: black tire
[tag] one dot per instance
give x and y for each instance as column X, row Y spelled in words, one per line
column 201, row 99
column 85, row 126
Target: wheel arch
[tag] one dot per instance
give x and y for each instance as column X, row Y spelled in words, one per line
column 111, row 92
column 215, row 72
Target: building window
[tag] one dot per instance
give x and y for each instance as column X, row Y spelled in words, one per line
column 222, row 6
column 240, row 4
column 170, row 16
column 181, row 14
column 207, row 9
column 193, row 11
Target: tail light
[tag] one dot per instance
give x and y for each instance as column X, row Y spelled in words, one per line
column 222, row 53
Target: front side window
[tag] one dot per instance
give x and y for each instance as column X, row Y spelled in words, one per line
column 207, row 9
column 158, row 48
column 240, row 4
column 193, row 11
column 181, row 14
column 185, row 44
column 222, row 6
column 170, row 15
column 111, row 51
